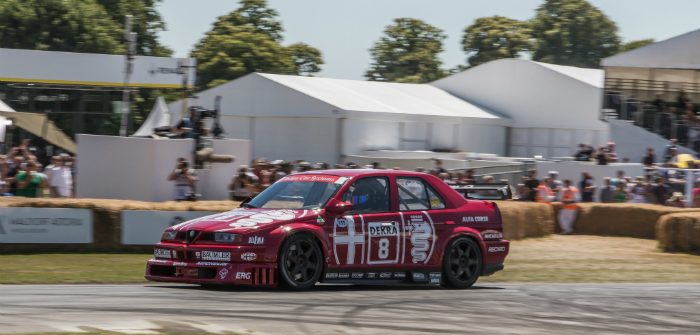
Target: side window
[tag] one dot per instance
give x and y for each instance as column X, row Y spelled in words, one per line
column 412, row 194
column 368, row 195
column 417, row 195
column 435, row 199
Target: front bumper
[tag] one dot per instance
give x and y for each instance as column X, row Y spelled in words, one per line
column 211, row 272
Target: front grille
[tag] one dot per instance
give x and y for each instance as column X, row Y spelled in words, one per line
column 192, row 234
column 206, row 273
column 162, row 271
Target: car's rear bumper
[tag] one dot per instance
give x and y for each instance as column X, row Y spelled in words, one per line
column 489, row 269
column 211, row 272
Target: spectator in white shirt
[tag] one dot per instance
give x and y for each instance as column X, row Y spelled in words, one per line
column 185, row 179
column 61, row 181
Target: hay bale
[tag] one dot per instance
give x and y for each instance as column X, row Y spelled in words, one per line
column 526, row 219
column 679, row 232
column 629, row 220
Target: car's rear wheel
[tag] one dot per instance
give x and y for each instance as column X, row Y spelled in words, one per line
column 300, row 263
column 461, row 263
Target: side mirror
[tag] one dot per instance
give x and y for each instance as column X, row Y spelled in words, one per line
column 338, row 207
column 247, row 200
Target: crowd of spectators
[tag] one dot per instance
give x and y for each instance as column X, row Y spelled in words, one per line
column 23, row 175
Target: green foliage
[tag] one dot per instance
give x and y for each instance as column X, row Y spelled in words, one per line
column 58, row 25
column 147, row 23
column 496, row 37
column 407, row 53
column 636, row 44
column 572, row 32
column 247, row 40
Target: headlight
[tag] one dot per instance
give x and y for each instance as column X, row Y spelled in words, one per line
column 226, row 237
column 169, row 235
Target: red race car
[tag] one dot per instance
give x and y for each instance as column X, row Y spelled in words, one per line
column 339, row 226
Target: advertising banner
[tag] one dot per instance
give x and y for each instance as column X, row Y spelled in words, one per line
column 68, row 68
column 146, row 227
column 45, row 225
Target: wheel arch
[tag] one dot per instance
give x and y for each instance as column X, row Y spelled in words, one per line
column 287, row 231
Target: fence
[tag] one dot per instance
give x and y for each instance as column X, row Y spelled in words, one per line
column 512, row 172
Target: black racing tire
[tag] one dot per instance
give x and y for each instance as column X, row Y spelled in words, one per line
column 461, row 263
column 300, row 263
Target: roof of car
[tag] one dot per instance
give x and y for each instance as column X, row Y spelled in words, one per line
column 360, row 172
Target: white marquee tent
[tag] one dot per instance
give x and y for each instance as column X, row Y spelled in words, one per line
column 552, row 107
column 322, row 120
column 675, row 61
column 159, row 117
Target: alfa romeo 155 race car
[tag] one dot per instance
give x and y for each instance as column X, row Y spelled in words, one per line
column 339, row 226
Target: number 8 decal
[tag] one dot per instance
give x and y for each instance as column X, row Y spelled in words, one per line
column 383, row 248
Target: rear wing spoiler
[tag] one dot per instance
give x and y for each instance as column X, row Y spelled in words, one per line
column 500, row 191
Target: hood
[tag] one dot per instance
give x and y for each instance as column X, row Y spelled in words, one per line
column 243, row 219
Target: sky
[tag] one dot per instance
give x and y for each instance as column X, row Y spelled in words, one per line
column 344, row 31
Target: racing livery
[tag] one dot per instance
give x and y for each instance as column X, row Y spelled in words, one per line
column 339, row 226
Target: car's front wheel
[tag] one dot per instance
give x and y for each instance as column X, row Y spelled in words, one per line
column 300, row 263
column 461, row 263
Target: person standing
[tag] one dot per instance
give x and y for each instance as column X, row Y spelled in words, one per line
column 241, row 187
column 544, row 193
column 184, row 178
column 661, row 191
column 620, row 195
column 531, row 185
column 569, row 196
column 29, row 183
column 649, row 158
column 587, row 187
column 61, row 182
column 606, row 191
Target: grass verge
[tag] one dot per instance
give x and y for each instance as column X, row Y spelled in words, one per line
column 555, row 259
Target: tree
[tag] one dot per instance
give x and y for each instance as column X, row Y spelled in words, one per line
column 147, row 23
column 407, row 53
column 58, row 25
column 636, row 44
column 247, row 40
column 496, row 37
column 256, row 14
column 306, row 59
column 572, row 32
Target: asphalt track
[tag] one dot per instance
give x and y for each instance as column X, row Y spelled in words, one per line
column 340, row 309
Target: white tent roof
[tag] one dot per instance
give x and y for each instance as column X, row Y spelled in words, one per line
column 367, row 96
column 532, row 94
column 3, row 108
column 680, row 52
column 159, row 117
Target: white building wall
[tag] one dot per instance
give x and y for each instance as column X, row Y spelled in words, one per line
column 312, row 139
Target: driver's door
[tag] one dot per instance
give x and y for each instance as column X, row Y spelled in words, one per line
column 369, row 235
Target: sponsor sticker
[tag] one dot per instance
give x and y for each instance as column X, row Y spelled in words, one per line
column 179, row 264
column 248, row 256
column 262, row 218
column 342, row 223
column 435, row 277
column 343, row 275
column 497, row 249
column 223, row 273
column 311, row 177
column 498, row 236
column 331, row 275
column 256, row 240
column 475, row 219
column 211, row 264
column 385, row 275
column 358, row 275
column 320, row 220
column 371, row 275
column 199, row 255
column 418, row 276
column 216, row 256
column 242, row 275
column 162, row 253
column 399, row 274
column 158, row 261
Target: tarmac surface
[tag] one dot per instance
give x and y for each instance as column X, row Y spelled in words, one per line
column 342, row 309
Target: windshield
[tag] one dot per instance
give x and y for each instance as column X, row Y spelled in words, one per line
column 299, row 192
